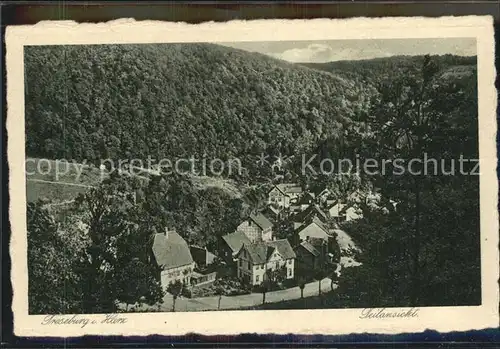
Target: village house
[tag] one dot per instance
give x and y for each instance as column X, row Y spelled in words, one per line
column 303, row 203
column 336, row 210
column 256, row 260
column 204, row 271
column 257, row 228
column 201, row 256
column 231, row 244
column 323, row 196
column 173, row 258
column 313, row 211
column 313, row 253
column 283, row 195
column 341, row 212
column 314, row 228
column 272, row 213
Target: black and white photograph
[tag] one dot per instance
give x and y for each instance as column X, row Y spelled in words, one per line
column 224, row 176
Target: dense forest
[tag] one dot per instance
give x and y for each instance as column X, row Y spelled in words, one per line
column 177, row 100
column 84, row 101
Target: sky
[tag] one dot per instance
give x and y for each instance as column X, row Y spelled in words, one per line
column 336, row 50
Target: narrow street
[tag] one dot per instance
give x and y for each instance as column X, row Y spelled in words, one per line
column 243, row 301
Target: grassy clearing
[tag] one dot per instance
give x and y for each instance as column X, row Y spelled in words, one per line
column 226, row 185
column 58, row 182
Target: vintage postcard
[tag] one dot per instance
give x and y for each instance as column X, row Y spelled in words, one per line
column 272, row 176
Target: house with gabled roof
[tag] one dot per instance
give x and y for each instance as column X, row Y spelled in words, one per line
column 282, row 195
column 342, row 212
column 314, row 253
column 256, row 260
column 202, row 256
column 231, row 244
column 336, row 210
column 271, row 212
column 173, row 258
column 323, row 195
column 313, row 211
column 305, row 201
column 257, row 227
column 314, row 228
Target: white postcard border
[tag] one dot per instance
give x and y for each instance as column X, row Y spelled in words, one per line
column 325, row 321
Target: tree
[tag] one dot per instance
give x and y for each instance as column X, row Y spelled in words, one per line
column 277, row 276
column 175, row 289
column 302, row 285
column 264, row 288
column 219, row 291
column 119, row 240
column 53, row 285
column 402, row 121
column 334, row 277
column 319, row 273
column 135, row 283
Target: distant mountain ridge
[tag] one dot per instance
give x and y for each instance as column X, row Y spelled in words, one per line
column 368, row 69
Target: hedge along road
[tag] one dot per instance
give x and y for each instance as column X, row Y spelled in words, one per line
column 242, row 301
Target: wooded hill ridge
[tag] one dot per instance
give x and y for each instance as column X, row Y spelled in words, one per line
column 93, row 102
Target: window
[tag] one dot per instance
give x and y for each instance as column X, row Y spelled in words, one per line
column 241, row 263
column 248, row 265
column 289, row 272
column 289, row 261
column 257, row 278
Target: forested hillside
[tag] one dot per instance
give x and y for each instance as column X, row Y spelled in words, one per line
column 134, row 101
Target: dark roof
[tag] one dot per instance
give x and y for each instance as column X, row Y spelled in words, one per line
column 171, row 251
column 322, row 191
column 342, row 206
column 261, row 251
column 309, row 213
column 310, row 248
column 262, row 221
column 289, row 188
column 305, row 199
column 236, row 240
column 201, row 255
column 284, row 248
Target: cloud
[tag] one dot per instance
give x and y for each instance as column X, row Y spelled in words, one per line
column 320, row 53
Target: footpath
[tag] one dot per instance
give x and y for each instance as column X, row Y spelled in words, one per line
column 242, row 301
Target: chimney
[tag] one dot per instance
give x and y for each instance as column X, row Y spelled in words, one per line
column 166, row 232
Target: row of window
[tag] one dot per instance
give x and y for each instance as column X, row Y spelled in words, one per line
column 257, row 277
column 261, row 266
column 178, row 272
